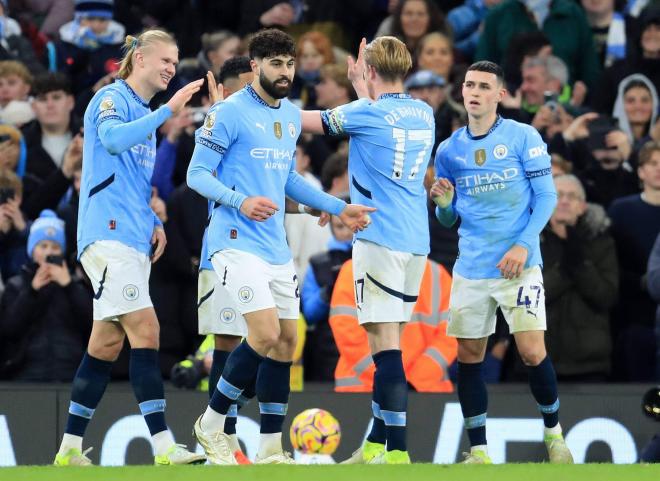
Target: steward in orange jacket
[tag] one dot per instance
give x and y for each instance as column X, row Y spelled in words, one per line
column 426, row 348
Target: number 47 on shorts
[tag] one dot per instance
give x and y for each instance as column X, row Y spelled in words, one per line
column 526, row 300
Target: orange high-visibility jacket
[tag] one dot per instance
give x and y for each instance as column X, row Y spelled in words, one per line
column 426, row 348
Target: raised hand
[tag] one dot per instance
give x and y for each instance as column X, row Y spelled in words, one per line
column 357, row 71
column 216, row 91
column 183, row 95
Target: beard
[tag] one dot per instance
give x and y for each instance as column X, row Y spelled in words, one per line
column 270, row 87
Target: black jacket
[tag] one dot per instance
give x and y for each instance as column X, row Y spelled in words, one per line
column 44, row 183
column 581, row 277
column 44, row 332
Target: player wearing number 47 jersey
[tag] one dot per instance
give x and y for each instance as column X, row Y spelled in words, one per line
column 391, row 140
column 500, row 172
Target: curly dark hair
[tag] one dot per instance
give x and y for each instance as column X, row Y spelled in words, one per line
column 50, row 82
column 437, row 21
column 271, row 43
column 233, row 67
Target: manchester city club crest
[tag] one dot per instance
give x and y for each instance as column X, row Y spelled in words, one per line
column 292, row 130
column 500, row 151
column 131, row 292
column 227, row 315
column 209, row 122
column 245, row 294
column 480, row 157
column 277, row 128
column 106, row 104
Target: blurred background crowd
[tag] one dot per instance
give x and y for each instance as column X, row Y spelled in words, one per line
column 585, row 73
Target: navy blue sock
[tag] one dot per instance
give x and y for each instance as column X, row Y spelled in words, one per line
column 543, row 382
column 378, row 434
column 273, row 394
column 219, row 361
column 88, row 387
column 147, row 382
column 241, row 368
column 393, row 395
column 232, row 414
column 473, row 397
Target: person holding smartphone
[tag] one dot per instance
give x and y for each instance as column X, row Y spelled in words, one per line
column 45, row 310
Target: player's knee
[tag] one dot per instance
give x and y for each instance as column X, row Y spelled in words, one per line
column 287, row 342
column 106, row 349
column 531, row 356
column 226, row 343
column 264, row 340
column 470, row 353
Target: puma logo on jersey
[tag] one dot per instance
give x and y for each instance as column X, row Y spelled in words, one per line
column 261, row 126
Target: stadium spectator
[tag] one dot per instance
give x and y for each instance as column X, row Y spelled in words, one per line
column 45, row 313
column 313, row 51
column 653, row 283
column 15, row 82
column 581, row 284
column 413, row 19
column 545, row 96
column 435, row 52
column 563, row 22
column 643, row 58
column 217, row 48
column 428, row 86
column 13, row 226
column 320, row 352
column 304, row 235
column 333, row 90
column 67, row 210
column 90, row 45
column 522, row 47
column 636, row 109
column 635, row 226
column 610, row 30
column 12, row 150
column 599, row 153
column 426, row 348
column 54, row 144
column 466, row 24
column 13, row 45
column 54, row 13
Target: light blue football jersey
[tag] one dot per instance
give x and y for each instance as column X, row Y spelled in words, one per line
column 115, row 188
column 390, row 147
column 257, row 148
column 494, row 198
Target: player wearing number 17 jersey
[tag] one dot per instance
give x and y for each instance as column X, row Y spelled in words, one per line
column 391, row 136
column 500, row 171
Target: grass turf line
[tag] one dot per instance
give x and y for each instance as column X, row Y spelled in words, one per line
column 416, row 472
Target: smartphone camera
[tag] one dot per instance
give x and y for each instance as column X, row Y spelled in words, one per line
column 6, row 194
column 55, row 259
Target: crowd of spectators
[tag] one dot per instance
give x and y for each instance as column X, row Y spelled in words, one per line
column 584, row 73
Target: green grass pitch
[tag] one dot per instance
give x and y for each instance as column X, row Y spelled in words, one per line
column 416, row 472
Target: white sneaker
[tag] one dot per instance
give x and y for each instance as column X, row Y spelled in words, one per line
column 282, row 457
column 216, row 445
column 179, row 454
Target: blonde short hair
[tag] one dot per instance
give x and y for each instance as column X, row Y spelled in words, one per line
column 390, row 58
column 131, row 44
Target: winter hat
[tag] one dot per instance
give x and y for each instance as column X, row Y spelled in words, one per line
column 47, row 227
column 95, row 8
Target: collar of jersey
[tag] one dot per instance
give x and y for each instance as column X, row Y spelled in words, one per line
column 393, row 96
column 498, row 121
column 138, row 99
column 256, row 97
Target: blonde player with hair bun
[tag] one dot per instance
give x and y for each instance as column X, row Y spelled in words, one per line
column 119, row 236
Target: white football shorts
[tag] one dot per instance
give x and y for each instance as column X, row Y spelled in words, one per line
column 386, row 282
column 253, row 284
column 216, row 313
column 119, row 276
column 474, row 302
